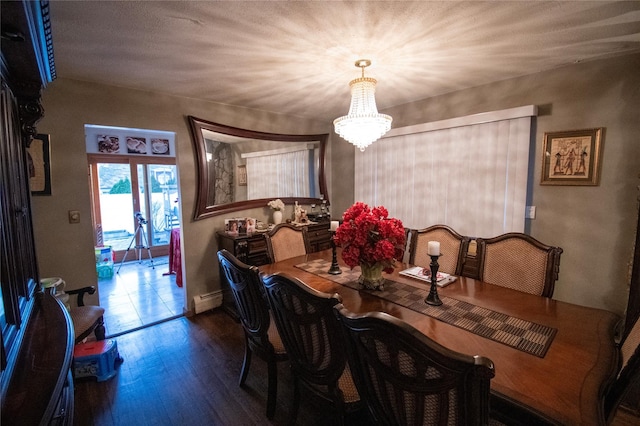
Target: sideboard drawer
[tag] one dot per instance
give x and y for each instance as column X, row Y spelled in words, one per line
column 257, row 249
column 319, row 236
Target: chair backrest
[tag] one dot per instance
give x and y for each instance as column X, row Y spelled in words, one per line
column 629, row 372
column 309, row 330
column 406, row 378
column 453, row 248
column 249, row 297
column 285, row 241
column 519, row 261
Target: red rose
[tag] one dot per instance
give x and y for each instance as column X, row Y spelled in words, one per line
column 367, row 235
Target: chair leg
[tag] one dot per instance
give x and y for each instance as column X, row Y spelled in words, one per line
column 273, row 388
column 246, row 363
column 100, row 330
column 295, row 405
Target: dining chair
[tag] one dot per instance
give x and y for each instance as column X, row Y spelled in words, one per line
column 628, row 374
column 519, row 261
column 312, row 337
column 453, row 248
column 260, row 335
column 406, row 378
column 86, row 319
column 285, row 241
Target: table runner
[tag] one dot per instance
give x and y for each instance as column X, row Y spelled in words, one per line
column 517, row 333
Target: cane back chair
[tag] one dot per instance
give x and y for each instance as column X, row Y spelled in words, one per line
column 453, row 248
column 285, row 241
column 628, row 374
column 405, row 378
column 260, row 335
column 519, row 261
column 312, row 337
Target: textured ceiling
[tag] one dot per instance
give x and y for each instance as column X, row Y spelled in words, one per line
column 298, row 57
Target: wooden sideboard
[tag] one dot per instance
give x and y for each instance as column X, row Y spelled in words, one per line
column 252, row 250
column 40, row 391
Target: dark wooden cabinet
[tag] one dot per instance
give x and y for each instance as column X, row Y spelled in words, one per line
column 36, row 333
column 470, row 266
column 319, row 236
column 40, row 391
column 252, row 248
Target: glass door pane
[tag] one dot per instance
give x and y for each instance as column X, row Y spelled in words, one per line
column 164, row 201
column 142, row 195
column 129, row 217
column 116, row 205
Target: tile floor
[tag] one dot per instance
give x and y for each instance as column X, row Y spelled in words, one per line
column 139, row 295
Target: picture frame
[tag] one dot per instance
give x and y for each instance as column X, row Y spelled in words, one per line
column 242, row 175
column 240, row 225
column 572, row 157
column 231, row 226
column 39, row 165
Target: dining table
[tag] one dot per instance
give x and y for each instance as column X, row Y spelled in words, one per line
column 553, row 360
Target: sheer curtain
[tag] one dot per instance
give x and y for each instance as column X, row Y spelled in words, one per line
column 279, row 174
column 472, row 177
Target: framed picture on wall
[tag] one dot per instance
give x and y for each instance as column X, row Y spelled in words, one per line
column 572, row 157
column 39, row 165
column 242, row 175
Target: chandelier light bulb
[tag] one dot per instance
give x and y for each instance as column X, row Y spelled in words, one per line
column 363, row 125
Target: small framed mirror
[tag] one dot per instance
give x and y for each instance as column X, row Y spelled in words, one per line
column 239, row 169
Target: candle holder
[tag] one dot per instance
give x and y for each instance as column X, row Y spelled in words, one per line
column 335, row 267
column 433, row 299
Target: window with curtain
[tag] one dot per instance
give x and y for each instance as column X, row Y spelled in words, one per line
column 282, row 174
column 469, row 173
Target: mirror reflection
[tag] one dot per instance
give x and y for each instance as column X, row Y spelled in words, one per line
column 240, row 169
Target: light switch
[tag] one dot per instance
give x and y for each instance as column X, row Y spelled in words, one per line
column 530, row 212
column 74, row 216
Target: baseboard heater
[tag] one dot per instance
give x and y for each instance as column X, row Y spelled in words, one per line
column 207, row 301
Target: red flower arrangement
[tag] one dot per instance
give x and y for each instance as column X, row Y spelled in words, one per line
column 368, row 236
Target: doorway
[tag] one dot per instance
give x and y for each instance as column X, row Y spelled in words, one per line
column 135, row 208
column 135, row 205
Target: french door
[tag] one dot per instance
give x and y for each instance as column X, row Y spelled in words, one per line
column 135, row 204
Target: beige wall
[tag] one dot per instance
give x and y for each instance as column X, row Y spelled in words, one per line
column 594, row 225
column 66, row 250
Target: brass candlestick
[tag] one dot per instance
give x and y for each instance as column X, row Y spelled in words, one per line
column 335, row 268
column 433, row 298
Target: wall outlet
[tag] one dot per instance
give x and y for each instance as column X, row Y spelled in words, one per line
column 530, row 212
column 74, row 216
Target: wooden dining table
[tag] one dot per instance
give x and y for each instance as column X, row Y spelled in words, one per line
column 565, row 386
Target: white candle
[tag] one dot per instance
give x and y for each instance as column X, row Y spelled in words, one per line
column 334, row 225
column 433, row 248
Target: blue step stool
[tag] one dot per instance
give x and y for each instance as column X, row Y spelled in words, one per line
column 99, row 360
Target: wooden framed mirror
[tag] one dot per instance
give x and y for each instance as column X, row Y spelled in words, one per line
column 239, row 169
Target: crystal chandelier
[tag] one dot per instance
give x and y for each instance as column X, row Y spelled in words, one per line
column 363, row 125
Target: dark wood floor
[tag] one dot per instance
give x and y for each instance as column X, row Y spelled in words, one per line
column 185, row 372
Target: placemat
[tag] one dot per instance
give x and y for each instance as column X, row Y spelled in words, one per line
column 515, row 332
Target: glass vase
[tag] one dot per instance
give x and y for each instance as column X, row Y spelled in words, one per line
column 371, row 276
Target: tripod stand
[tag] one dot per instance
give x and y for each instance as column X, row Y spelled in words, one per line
column 138, row 247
